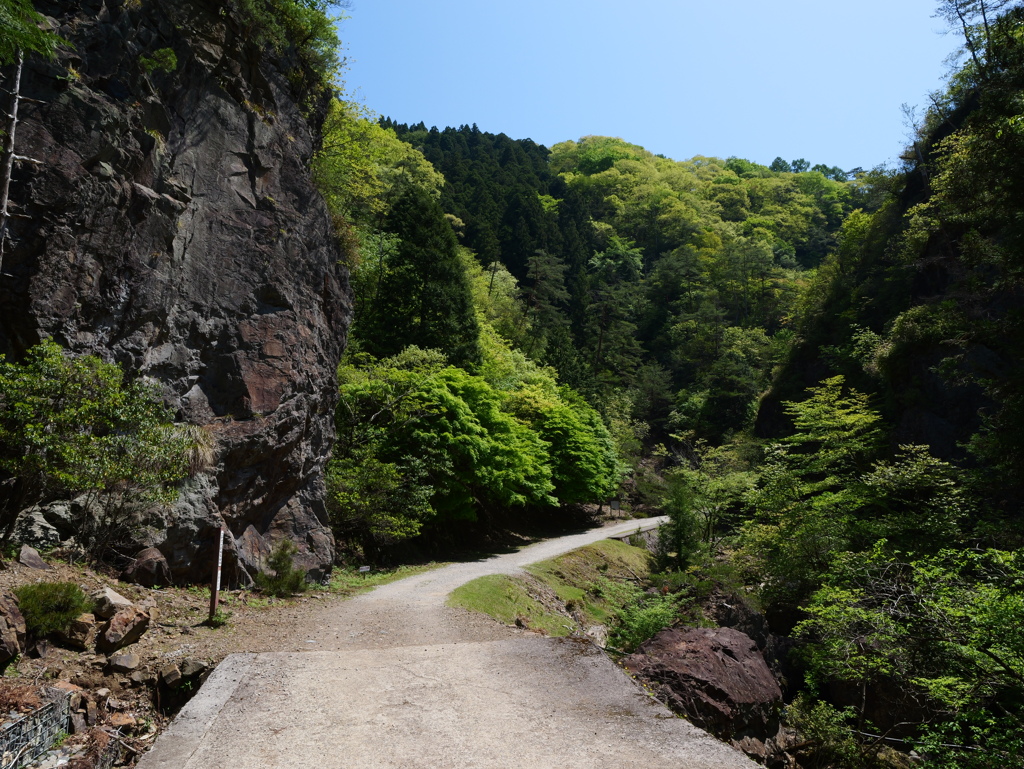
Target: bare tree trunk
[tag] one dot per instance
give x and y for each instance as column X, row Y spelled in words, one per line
column 8, row 160
column 971, row 46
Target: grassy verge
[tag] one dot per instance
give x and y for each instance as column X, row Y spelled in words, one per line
column 590, row 584
column 508, row 600
column 347, row 582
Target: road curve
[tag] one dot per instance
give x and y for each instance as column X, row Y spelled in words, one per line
column 397, row 680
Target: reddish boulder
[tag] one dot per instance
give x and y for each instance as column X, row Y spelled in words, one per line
column 719, row 680
column 149, row 569
column 81, row 633
column 126, row 627
column 12, row 628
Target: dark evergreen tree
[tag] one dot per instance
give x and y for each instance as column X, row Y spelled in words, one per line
column 424, row 297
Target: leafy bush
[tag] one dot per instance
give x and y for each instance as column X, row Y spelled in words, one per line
column 640, row 616
column 74, row 425
column 162, row 60
column 828, row 732
column 300, row 27
column 947, row 629
column 285, row 580
column 49, row 607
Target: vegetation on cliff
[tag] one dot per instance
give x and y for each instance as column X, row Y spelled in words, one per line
column 74, row 426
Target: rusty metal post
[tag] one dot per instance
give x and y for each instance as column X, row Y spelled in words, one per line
column 215, row 583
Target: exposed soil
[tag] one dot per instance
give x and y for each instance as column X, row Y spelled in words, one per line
column 139, row 710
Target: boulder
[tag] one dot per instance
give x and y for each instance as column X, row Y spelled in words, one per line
column 30, row 557
column 124, row 662
column 149, row 569
column 78, row 723
column 190, row 668
column 82, row 632
column 718, row 679
column 171, row 676
column 122, row 720
column 143, row 677
column 47, row 525
column 108, row 603
column 12, row 628
column 34, row 529
column 126, row 627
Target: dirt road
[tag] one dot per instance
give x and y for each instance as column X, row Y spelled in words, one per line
column 395, row 679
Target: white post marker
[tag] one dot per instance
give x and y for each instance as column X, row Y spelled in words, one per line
column 215, row 587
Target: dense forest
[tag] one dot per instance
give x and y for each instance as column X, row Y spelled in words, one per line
column 816, row 373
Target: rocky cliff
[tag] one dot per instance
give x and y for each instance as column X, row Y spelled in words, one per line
column 172, row 227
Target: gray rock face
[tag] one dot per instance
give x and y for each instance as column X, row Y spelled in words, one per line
column 173, row 227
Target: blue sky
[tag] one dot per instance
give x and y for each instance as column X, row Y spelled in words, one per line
column 818, row 79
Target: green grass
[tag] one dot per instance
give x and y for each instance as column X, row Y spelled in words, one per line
column 348, row 582
column 507, row 600
column 589, row 577
column 595, row 580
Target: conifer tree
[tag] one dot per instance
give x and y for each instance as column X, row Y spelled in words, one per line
column 424, row 297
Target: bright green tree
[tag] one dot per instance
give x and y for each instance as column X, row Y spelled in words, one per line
column 809, row 490
column 362, row 168
column 423, row 443
column 584, row 465
column 73, row 425
column 22, row 28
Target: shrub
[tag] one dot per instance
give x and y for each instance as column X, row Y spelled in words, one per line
column 74, row 425
column 828, row 735
column 283, row 579
column 641, row 619
column 304, row 28
column 162, row 60
column 49, row 607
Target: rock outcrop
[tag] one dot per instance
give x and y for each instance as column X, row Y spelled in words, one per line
column 172, row 226
column 12, row 629
column 719, row 680
column 149, row 569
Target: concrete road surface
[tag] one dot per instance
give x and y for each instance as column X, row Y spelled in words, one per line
column 395, row 679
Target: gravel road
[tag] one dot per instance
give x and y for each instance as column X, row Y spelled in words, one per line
column 396, row 679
